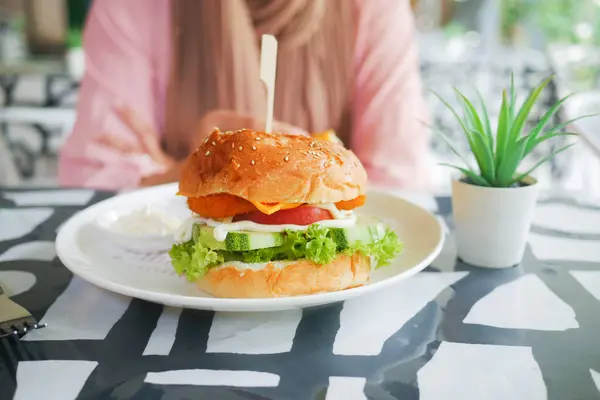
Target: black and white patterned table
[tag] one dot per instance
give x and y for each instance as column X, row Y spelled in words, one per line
column 451, row 332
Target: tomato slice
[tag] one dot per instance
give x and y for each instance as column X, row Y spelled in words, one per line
column 305, row 215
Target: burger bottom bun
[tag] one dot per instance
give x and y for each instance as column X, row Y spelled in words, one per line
column 283, row 279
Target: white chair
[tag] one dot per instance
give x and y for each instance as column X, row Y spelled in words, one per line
column 9, row 175
column 19, row 152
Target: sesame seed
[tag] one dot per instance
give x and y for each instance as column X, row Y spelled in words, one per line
column 253, row 147
column 286, row 158
column 312, row 144
column 252, row 162
column 258, row 138
column 207, row 153
column 205, row 140
column 233, row 145
column 213, row 143
column 240, row 148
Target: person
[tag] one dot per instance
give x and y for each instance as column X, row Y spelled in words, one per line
column 161, row 74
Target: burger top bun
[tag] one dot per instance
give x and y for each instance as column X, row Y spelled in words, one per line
column 273, row 168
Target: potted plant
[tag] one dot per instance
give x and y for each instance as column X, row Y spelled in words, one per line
column 493, row 205
column 75, row 56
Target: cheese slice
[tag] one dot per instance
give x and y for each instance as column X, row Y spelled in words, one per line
column 272, row 208
column 328, row 136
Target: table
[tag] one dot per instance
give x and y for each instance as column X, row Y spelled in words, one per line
column 451, row 332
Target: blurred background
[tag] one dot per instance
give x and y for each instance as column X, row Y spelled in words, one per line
column 464, row 43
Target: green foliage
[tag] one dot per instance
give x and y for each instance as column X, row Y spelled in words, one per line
column 384, row 250
column 74, row 38
column 559, row 20
column 499, row 155
column 193, row 260
column 513, row 12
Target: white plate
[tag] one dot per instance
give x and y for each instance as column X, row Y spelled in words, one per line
column 151, row 277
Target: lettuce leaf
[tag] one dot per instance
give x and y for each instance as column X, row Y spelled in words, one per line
column 193, row 259
column 181, row 257
column 320, row 248
column 294, row 246
column 259, row 255
column 384, row 250
column 313, row 244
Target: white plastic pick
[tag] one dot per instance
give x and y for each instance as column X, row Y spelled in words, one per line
column 268, row 67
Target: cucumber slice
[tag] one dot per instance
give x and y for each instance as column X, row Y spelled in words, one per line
column 242, row 241
column 204, row 234
column 344, row 238
column 366, row 234
column 238, row 241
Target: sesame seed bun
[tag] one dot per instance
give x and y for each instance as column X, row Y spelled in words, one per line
column 273, row 168
column 283, row 279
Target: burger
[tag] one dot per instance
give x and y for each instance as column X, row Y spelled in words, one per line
column 273, row 215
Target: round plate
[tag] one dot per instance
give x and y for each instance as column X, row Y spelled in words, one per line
column 84, row 251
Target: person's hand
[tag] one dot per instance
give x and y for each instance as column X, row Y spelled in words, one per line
column 171, row 175
column 149, row 144
column 148, row 140
column 225, row 120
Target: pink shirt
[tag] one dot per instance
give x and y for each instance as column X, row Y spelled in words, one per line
column 127, row 49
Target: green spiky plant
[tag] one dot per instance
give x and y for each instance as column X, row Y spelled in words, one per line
column 500, row 154
column 74, row 38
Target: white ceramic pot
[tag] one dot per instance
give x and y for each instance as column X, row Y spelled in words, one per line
column 76, row 62
column 492, row 224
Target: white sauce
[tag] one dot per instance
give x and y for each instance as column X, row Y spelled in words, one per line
column 335, row 213
column 342, row 219
column 276, row 264
column 145, row 221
